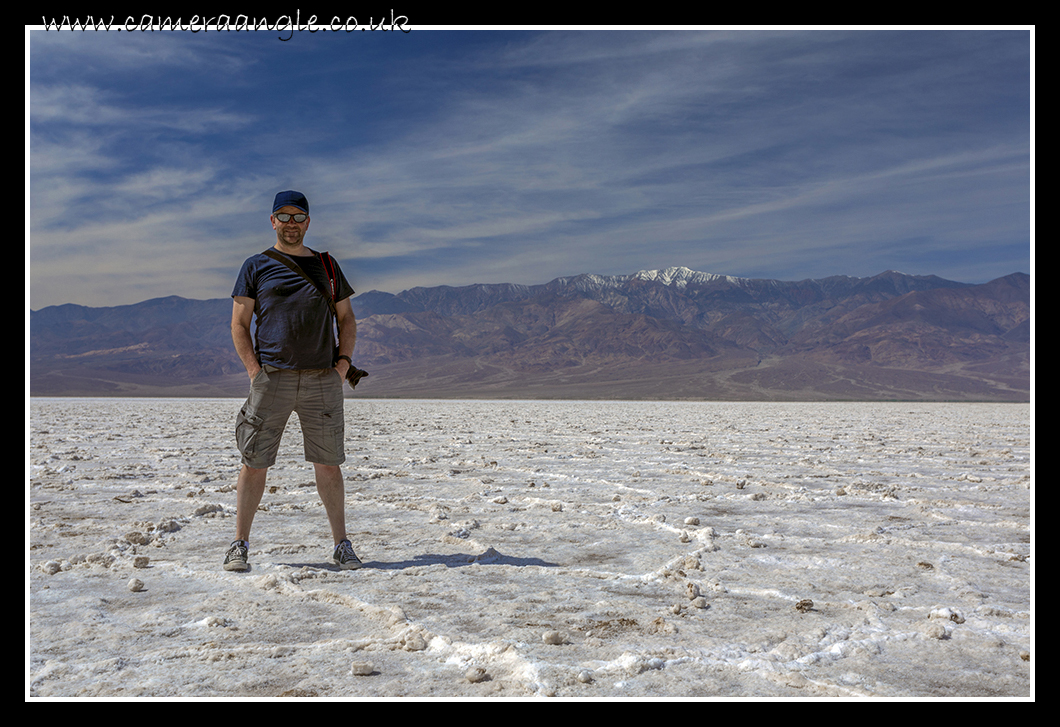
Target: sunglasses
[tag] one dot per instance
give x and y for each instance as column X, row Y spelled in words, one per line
column 284, row 217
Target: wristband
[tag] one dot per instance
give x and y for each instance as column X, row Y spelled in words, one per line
column 344, row 356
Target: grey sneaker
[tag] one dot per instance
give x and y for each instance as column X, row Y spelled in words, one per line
column 344, row 557
column 236, row 557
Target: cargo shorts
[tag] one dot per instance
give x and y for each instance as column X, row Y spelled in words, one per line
column 314, row 394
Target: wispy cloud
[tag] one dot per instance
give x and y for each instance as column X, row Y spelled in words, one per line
column 460, row 157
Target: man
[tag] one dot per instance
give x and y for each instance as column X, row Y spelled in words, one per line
column 295, row 365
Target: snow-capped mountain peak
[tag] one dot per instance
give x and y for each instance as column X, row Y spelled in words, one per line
column 680, row 277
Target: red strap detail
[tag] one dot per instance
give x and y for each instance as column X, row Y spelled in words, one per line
column 328, row 266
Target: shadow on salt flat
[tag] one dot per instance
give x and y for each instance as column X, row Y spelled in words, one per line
column 455, row 560
column 449, row 560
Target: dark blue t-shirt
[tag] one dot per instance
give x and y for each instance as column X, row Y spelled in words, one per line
column 294, row 325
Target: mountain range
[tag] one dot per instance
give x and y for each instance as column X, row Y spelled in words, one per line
column 661, row 334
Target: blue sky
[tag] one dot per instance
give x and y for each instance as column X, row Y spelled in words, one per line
column 447, row 157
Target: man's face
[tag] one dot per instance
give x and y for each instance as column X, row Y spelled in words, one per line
column 289, row 233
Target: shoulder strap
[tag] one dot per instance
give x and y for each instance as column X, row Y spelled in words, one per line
column 329, row 267
column 280, row 257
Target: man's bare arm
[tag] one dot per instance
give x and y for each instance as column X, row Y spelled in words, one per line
column 347, row 334
column 242, row 315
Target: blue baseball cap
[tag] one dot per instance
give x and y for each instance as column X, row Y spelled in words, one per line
column 292, row 198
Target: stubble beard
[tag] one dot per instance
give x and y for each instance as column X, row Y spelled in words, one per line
column 290, row 239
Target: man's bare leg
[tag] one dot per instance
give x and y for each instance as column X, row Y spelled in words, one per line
column 333, row 495
column 249, row 488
